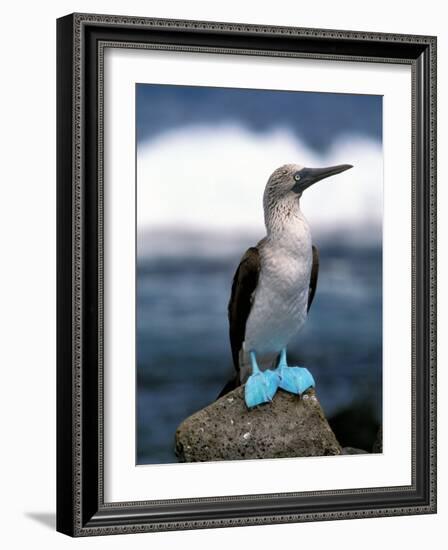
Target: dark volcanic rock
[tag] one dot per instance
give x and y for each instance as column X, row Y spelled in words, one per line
column 353, row 451
column 290, row 426
column 378, row 444
column 355, row 426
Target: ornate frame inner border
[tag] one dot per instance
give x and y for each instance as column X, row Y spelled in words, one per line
column 82, row 39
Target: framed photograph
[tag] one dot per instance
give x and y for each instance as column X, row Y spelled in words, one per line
column 246, row 274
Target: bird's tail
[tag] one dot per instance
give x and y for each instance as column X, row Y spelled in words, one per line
column 240, row 377
column 265, row 361
column 232, row 384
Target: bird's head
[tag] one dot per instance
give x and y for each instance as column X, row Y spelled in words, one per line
column 292, row 180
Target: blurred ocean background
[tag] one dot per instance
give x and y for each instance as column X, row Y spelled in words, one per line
column 203, row 158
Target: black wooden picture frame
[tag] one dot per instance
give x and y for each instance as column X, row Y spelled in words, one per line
column 81, row 509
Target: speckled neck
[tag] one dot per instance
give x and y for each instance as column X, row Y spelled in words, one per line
column 283, row 215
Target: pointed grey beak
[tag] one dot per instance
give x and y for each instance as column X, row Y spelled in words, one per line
column 309, row 176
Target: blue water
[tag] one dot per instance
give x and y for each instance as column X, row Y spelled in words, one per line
column 183, row 354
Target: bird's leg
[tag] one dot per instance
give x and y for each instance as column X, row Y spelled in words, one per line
column 293, row 379
column 260, row 386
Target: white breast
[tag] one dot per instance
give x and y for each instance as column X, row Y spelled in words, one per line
column 280, row 301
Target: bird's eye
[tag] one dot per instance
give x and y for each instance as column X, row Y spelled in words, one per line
column 297, row 177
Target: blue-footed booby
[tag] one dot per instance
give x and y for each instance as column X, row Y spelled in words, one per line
column 273, row 289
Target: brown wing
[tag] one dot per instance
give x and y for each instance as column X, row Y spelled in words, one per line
column 313, row 278
column 244, row 284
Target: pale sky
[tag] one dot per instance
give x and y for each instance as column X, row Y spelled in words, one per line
column 214, row 177
column 204, row 156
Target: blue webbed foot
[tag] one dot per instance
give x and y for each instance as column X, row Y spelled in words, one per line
column 293, row 379
column 260, row 386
